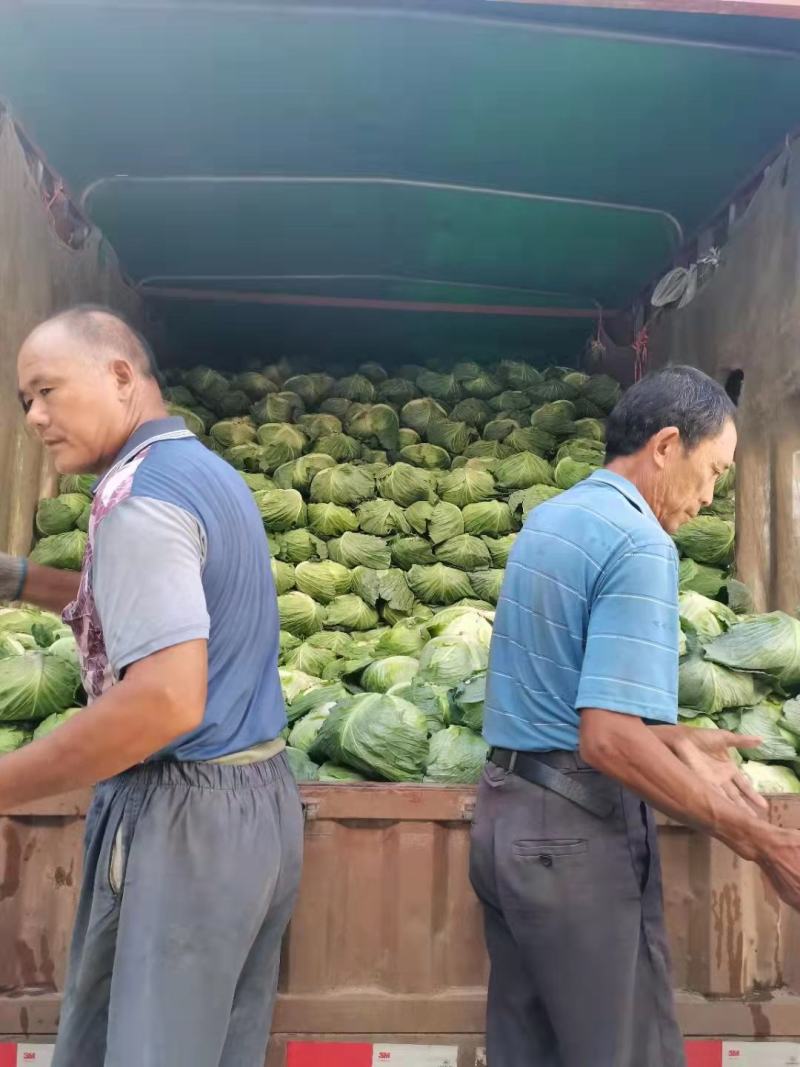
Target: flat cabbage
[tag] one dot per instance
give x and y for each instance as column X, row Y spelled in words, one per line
column 444, row 387
column 78, row 483
column 253, row 383
column 192, row 420
column 531, row 439
column 381, row 675
column 429, row 457
column 35, row 685
column 299, row 473
column 58, row 514
column 468, row 700
column 486, row 450
column 303, row 769
column 299, row 614
column 557, row 418
column 461, row 621
column 740, row 599
column 10, row 646
column 296, row 684
column 396, row 391
column 449, row 660
column 584, row 450
column 350, row 612
column 769, row 779
column 331, row 520
column 500, row 548
column 484, row 385
column 519, row 375
column 309, row 659
column 339, row 446
column 313, row 388
column 472, row 411
column 381, row 588
column 323, row 581
column 487, row 584
column 499, row 429
column 307, row 698
column 286, row 643
column 280, row 443
column 64, row 551
column 404, row 639
column 708, row 618
column 706, row 539
column 570, row 471
column 764, row 722
column 281, row 509
column 378, row 425
column 320, row 424
column 405, row 485
column 281, row 407
column 418, row 414
column 591, row 429
column 700, row 578
column 603, row 391
column 438, row 584
column 12, row 738
column 451, row 436
column 409, row 551
column 511, row 400
column 332, row 772
column 523, row 470
column 345, row 484
column 709, row 688
column 52, row 722
column 354, row 387
column 256, row 482
column 466, row 486
column 380, row 735
column 334, row 640
column 360, row 550
column 456, row 756
column 524, row 501
column 493, row 517
column 245, row 458
column 296, row 546
column 769, row 643
column 553, row 389
column 465, row 552
column 382, row 518
column 432, row 700
column 232, row 432
column 406, row 437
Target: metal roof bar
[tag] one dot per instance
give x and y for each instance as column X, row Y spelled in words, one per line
column 364, row 304
column 403, row 279
column 406, row 183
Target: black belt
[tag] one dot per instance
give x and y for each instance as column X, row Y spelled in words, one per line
column 526, row 765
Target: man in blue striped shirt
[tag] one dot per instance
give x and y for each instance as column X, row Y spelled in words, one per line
column 580, row 714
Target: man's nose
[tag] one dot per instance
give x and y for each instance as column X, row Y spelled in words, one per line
column 36, row 416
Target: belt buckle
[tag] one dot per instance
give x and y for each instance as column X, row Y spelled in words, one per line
column 512, row 762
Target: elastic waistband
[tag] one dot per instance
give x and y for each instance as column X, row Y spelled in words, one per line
column 222, row 776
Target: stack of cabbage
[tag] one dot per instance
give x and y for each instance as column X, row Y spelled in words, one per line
column 706, row 546
column 62, row 523
column 742, row 673
column 39, row 679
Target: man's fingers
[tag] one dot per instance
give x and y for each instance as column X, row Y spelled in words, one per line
column 739, row 741
column 759, row 804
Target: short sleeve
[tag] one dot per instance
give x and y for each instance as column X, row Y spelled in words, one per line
column 147, row 580
column 630, row 661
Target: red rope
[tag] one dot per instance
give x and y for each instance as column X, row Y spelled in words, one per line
column 642, row 354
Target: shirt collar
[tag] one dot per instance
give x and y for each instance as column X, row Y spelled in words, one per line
column 628, row 490
column 142, row 434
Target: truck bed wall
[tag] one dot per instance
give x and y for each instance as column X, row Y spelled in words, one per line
column 39, row 274
column 747, row 318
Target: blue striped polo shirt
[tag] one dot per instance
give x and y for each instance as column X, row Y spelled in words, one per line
column 587, row 618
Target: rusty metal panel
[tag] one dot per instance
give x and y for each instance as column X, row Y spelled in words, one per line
column 387, row 939
column 39, row 274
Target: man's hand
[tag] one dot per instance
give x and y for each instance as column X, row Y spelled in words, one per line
column 707, row 754
column 779, row 859
column 45, row 587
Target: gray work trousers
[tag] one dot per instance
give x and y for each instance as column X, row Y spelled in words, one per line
column 190, row 876
column 574, row 926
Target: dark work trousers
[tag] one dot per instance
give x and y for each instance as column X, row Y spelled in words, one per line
column 574, row 926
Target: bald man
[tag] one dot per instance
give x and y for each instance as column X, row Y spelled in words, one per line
column 194, row 836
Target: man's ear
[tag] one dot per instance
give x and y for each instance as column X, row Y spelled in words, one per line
column 124, row 375
column 664, row 444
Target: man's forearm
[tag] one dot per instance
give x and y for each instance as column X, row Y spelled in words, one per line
column 49, row 588
column 637, row 757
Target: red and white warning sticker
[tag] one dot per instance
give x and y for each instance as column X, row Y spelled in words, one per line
column 344, row 1054
column 26, row 1055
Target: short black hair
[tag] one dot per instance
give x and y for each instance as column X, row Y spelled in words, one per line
column 102, row 327
column 676, row 396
